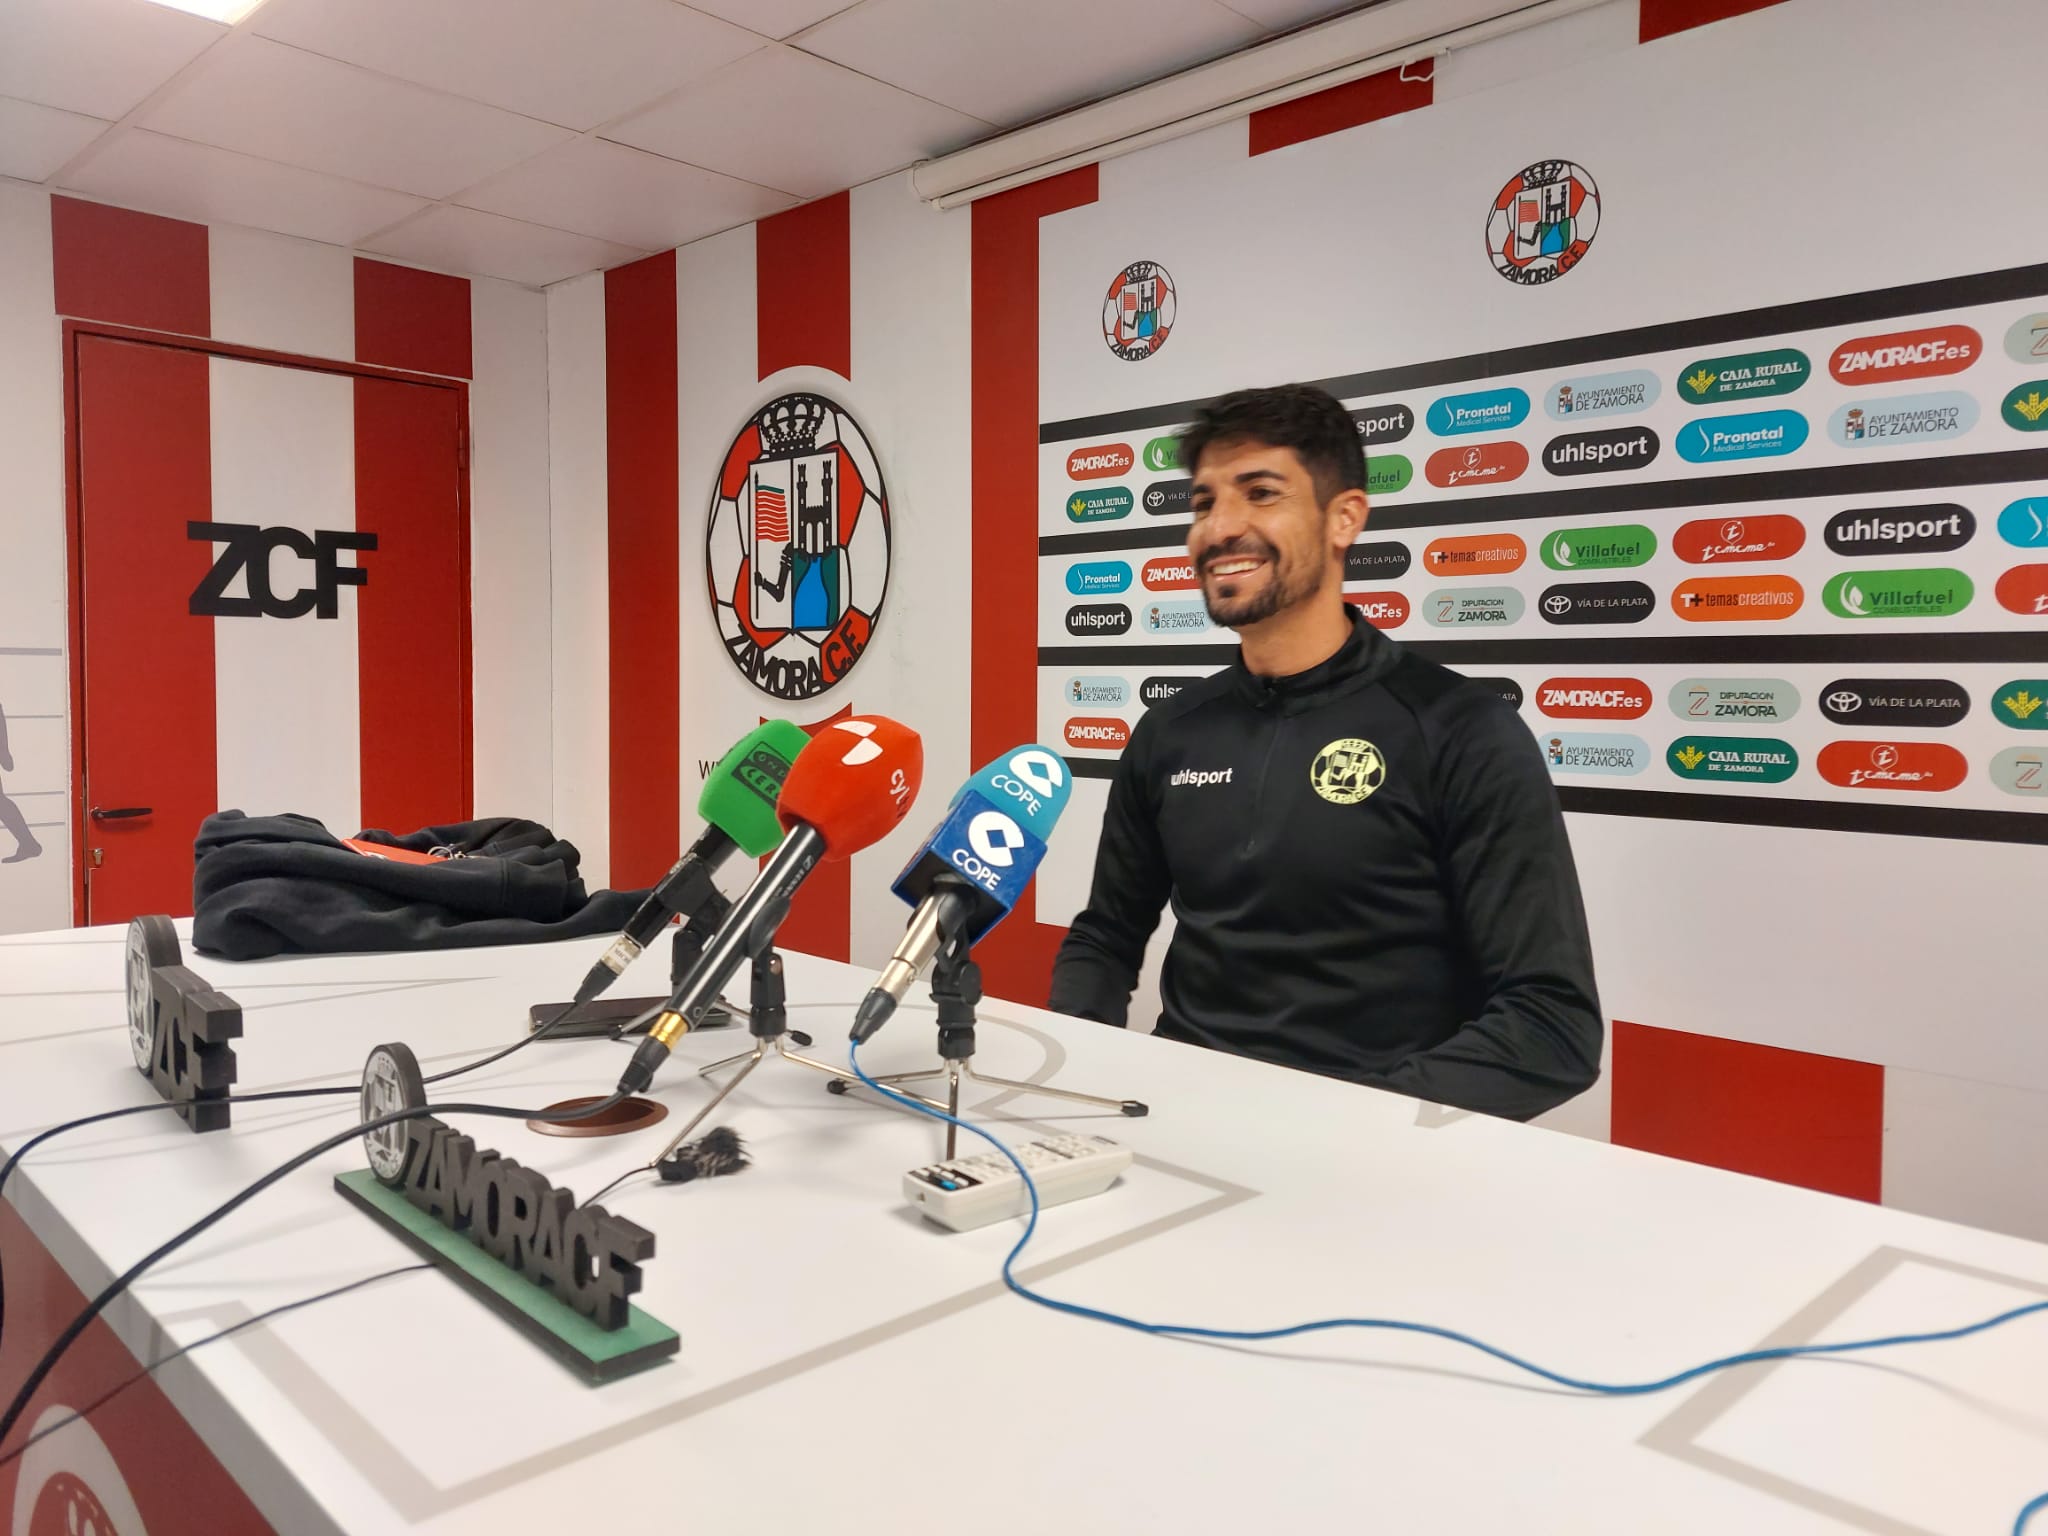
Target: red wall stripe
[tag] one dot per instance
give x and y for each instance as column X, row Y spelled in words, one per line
column 803, row 288
column 643, row 564
column 1786, row 1115
column 406, row 318
column 130, row 268
column 412, row 638
column 1661, row 18
column 144, row 471
column 1338, row 108
column 1016, row 957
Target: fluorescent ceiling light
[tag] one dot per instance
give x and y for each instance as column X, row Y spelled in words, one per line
column 229, row 11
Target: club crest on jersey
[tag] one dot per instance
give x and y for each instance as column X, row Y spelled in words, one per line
column 796, row 548
column 1347, row 770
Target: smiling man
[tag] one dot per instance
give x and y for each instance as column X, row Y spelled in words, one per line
column 1368, row 867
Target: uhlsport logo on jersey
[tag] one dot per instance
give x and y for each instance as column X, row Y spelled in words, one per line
column 1717, row 380
column 1464, row 608
column 1137, row 314
column 1759, row 699
column 1542, row 222
column 1347, row 770
column 1903, row 419
column 1883, row 702
column 1090, row 578
column 1602, row 394
column 1107, row 692
column 1760, row 536
column 796, row 547
column 1756, row 435
column 1486, row 410
column 1596, row 752
column 1905, row 355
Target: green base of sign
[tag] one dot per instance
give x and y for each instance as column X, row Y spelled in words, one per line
column 594, row 1353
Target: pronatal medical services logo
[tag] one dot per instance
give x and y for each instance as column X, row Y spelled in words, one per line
column 1137, row 315
column 1542, row 222
column 796, row 550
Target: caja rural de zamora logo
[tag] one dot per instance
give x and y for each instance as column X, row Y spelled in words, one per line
column 1542, row 222
column 796, row 549
column 1137, row 314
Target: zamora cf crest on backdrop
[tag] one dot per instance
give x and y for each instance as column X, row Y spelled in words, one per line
column 796, row 548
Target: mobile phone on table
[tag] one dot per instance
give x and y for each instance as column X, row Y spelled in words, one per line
column 598, row 1019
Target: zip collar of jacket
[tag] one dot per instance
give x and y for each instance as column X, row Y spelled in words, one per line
column 1364, row 658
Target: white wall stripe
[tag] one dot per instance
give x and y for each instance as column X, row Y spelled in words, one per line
column 281, row 294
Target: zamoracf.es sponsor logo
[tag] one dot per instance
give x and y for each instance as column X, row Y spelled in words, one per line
column 796, row 547
column 1382, row 610
column 1100, row 462
column 1102, row 733
column 1542, row 222
column 1905, row 355
column 1593, row 698
column 1138, row 313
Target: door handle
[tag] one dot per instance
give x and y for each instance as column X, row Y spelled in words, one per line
column 121, row 813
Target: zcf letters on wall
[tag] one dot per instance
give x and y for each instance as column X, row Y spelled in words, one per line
column 248, row 553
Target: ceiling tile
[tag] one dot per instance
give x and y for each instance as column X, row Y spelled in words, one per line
column 1011, row 63
column 35, row 140
column 1279, row 14
column 266, row 99
column 783, row 119
column 625, row 195
column 464, row 240
column 573, row 62
column 773, row 18
column 199, row 182
column 99, row 57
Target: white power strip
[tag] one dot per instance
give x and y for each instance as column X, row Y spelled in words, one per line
column 968, row 1192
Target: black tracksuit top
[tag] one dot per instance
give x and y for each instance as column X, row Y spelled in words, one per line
column 1370, row 879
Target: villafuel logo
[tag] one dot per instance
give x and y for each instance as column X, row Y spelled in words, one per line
column 1383, row 423
column 1598, row 549
column 1880, row 703
column 1721, row 541
column 1919, row 594
column 1905, row 355
column 1599, row 453
column 1100, row 462
column 1736, row 599
column 1925, row 530
column 1717, row 380
column 1387, row 474
column 1594, row 698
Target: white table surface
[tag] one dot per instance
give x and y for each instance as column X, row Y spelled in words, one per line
column 847, row 1367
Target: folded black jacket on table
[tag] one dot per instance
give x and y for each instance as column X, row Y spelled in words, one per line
column 270, row 885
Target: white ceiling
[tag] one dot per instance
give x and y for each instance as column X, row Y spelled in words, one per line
column 536, row 139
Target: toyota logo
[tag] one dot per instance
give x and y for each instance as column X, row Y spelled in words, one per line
column 1843, row 702
column 1557, row 602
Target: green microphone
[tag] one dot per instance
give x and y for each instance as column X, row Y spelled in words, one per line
column 738, row 806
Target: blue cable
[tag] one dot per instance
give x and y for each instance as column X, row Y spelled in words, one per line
column 1609, row 1389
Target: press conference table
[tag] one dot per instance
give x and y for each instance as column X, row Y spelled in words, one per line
column 846, row 1366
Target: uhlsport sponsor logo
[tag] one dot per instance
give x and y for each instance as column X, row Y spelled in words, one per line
column 2026, row 339
column 1600, row 453
column 1914, row 594
column 1593, row 698
column 1485, row 410
column 1100, row 504
column 2022, row 704
column 1756, row 700
column 1387, row 423
column 1616, row 547
column 1100, row 461
column 1729, row 540
column 1506, row 689
column 1155, row 691
column 1170, row 573
column 1092, row 578
column 1882, row 703
column 2024, row 524
column 1455, row 608
column 1376, row 562
column 1717, row 380
column 1542, row 222
column 1903, row 419
column 1905, row 355
column 2021, row 771
column 1737, row 599
column 1198, row 778
column 1388, row 474
column 1097, row 692
column 1168, row 498
column 1382, row 610
column 1102, row 733
column 1483, row 554
column 1594, row 752
column 1098, row 619
column 2024, row 589
column 1178, row 617
column 1596, row 602
column 1755, row 435
column 1602, row 394
column 1748, row 759
column 1912, row 765
column 2025, row 407
column 1929, row 530
column 1480, row 464
column 1162, row 453
column 1137, row 313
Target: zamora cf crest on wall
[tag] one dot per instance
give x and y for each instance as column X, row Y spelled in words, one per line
column 796, row 549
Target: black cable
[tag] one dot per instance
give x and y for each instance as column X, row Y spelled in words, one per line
column 127, row 1277
column 615, row 1183
column 212, row 1338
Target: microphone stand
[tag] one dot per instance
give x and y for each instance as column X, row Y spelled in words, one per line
column 956, row 988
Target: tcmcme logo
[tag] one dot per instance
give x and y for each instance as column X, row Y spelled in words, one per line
column 248, row 553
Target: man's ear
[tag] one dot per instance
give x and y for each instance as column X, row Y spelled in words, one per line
column 1346, row 513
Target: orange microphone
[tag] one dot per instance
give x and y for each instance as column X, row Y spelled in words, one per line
column 848, row 788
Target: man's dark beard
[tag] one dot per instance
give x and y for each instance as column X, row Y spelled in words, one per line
column 1278, row 593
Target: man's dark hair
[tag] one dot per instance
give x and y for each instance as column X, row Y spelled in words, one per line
column 1297, row 416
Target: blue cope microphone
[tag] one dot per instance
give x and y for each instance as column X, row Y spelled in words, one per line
column 969, row 873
